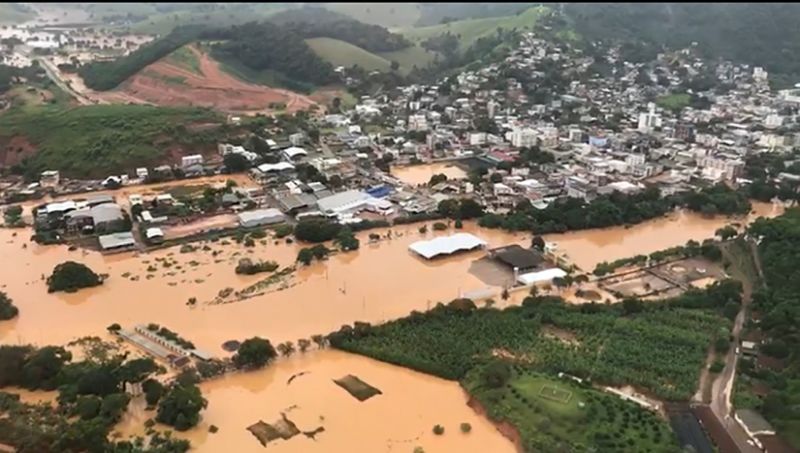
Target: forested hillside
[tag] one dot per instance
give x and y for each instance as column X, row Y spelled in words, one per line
column 763, row 34
column 312, row 22
column 107, row 75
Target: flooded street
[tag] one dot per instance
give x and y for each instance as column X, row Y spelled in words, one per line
column 421, row 174
column 379, row 282
column 396, row 421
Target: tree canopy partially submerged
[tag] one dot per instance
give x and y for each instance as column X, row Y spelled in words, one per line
column 70, row 276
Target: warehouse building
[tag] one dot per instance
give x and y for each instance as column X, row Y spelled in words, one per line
column 446, row 245
column 259, row 217
column 343, row 202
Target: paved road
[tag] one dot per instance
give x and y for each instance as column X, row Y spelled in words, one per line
column 722, row 387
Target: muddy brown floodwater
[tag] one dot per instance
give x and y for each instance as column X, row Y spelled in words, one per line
column 398, row 420
column 421, row 174
column 379, row 282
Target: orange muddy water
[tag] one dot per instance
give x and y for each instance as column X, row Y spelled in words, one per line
column 379, row 282
column 421, row 174
column 398, row 420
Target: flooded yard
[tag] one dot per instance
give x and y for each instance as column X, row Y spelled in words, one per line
column 421, row 174
column 399, row 419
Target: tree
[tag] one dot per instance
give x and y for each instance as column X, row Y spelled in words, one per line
column 286, row 348
column 438, row 430
column 305, row 256
column 181, row 406
column 7, row 308
column 12, row 359
column 114, row 406
column 465, row 427
column 437, row 178
column 153, row 391
column 303, row 344
column 496, row 374
column 236, row 163
column 726, row 232
column 319, row 340
column 70, row 276
column 631, row 305
column 43, row 366
column 346, row 240
column 254, row 353
column 538, row 243
column 395, row 65
column 137, row 370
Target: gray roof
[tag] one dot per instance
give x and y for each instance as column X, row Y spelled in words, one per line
column 114, row 240
column 106, row 212
column 342, row 200
column 99, row 199
column 260, row 214
column 293, row 201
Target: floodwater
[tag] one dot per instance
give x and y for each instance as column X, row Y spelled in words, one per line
column 399, row 419
column 421, row 174
column 380, row 282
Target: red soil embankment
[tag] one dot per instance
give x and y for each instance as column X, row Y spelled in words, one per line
column 505, row 428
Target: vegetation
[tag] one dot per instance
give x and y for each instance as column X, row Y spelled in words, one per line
column 615, row 209
column 167, row 334
column 659, row 348
column 346, row 240
column 12, row 216
column 308, row 254
column 779, row 309
column 314, row 22
column 7, row 308
column 341, row 53
column 107, row 75
column 91, row 398
column 692, row 248
column 463, row 209
column 311, row 230
column 246, row 266
column 98, row 140
column 254, row 353
column 745, row 33
column 560, row 415
column 181, row 406
column 70, row 276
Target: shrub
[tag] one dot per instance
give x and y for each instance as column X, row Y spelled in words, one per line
column 71, row 276
column 717, row 366
column 283, row 230
column 7, row 308
column 466, row 427
column 246, row 266
column 438, row 430
column 439, row 226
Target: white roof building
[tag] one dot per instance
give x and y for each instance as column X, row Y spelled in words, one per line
column 446, row 245
column 541, row 276
column 350, row 200
column 280, row 166
column 260, row 217
column 293, row 152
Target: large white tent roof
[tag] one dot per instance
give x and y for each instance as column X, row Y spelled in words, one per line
column 446, row 245
column 541, row 276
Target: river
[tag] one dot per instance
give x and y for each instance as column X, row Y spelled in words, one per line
column 379, row 282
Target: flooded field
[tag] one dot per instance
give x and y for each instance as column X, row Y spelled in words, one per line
column 421, row 174
column 399, row 419
column 381, row 281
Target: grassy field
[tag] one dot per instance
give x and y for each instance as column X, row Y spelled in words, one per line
column 231, row 14
column 410, row 57
column 186, row 59
column 340, row 53
column 100, row 140
column 586, row 418
column 673, row 101
column 471, row 30
column 10, row 14
column 389, row 15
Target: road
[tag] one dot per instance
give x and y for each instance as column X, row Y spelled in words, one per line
column 53, row 74
column 722, row 386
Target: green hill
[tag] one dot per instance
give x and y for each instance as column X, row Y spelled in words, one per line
column 470, row 30
column 389, row 15
column 340, row 53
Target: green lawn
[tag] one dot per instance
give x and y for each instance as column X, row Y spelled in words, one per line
column 100, row 140
column 410, row 57
column 590, row 418
column 673, row 101
column 471, row 30
column 186, row 59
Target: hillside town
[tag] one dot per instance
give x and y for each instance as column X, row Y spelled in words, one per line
column 477, row 136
